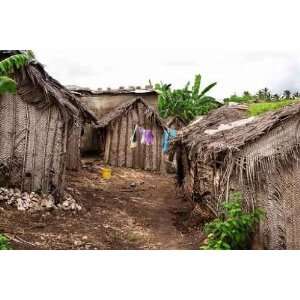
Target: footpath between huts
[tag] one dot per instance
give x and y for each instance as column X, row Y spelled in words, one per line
column 133, row 210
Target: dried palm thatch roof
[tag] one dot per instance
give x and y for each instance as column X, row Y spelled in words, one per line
column 190, row 135
column 124, row 108
column 235, row 137
column 250, row 149
column 54, row 92
column 176, row 121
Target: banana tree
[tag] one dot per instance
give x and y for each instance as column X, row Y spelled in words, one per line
column 186, row 103
column 10, row 65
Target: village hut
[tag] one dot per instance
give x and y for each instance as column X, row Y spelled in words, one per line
column 187, row 166
column 104, row 100
column 35, row 129
column 116, row 129
column 261, row 160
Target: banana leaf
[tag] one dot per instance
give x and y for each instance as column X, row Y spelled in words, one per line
column 7, row 85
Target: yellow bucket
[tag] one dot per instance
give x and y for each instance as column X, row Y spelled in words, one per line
column 106, row 173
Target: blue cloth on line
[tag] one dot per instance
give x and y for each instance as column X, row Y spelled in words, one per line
column 168, row 134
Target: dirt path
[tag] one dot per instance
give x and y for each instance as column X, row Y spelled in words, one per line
column 133, row 210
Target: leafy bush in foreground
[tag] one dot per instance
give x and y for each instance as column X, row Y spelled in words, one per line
column 4, row 243
column 233, row 230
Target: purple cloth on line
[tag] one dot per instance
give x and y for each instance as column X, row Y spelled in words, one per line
column 148, row 137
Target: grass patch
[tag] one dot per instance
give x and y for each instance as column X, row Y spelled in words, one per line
column 256, row 109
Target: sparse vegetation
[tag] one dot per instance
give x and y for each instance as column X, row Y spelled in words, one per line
column 256, row 109
column 262, row 96
column 233, row 230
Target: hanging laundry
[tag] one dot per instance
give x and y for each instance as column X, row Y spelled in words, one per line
column 142, row 134
column 149, row 137
column 168, row 135
column 133, row 138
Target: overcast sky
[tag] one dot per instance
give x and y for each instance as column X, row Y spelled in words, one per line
column 234, row 71
column 243, row 45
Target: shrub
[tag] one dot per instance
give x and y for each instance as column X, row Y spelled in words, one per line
column 4, row 243
column 233, row 230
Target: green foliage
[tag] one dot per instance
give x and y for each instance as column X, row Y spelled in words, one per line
column 245, row 98
column 263, row 95
column 7, row 85
column 256, row 109
column 10, row 65
column 14, row 62
column 186, row 103
column 4, row 243
column 233, row 230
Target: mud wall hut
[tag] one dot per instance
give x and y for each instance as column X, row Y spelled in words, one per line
column 102, row 101
column 116, row 129
column 34, row 130
column 261, row 160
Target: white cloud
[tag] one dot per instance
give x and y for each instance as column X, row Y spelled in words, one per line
column 235, row 71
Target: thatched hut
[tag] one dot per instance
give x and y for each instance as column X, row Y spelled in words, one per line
column 102, row 101
column 188, row 175
column 35, row 126
column 116, row 128
column 260, row 159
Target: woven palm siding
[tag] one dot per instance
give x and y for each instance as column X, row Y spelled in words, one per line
column 261, row 159
column 35, row 128
column 192, row 175
column 116, row 128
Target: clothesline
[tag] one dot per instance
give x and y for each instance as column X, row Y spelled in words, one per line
column 147, row 137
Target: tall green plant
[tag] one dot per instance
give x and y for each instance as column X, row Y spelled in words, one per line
column 187, row 102
column 10, row 65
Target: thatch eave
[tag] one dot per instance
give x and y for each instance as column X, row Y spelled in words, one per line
column 122, row 109
column 69, row 104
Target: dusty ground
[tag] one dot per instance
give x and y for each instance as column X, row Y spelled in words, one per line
column 133, row 210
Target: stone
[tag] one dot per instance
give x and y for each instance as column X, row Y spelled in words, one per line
column 66, row 203
column 78, row 243
column 35, row 202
